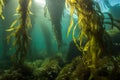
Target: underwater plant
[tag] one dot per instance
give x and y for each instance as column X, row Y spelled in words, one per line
column 55, row 8
column 91, row 24
column 92, row 34
column 1, row 7
column 19, row 31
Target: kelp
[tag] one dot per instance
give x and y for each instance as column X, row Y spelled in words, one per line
column 91, row 23
column 1, row 8
column 92, row 35
column 19, row 31
column 55, row 8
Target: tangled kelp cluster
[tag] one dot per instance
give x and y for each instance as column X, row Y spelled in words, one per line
column 19, row 30
column 92, row 34
column 91, row 26
column 90, row 22
column 1, row 7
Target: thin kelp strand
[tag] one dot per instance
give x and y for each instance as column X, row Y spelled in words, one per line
column 114, row 20
column 117, row 26
column 70, row 27
column 13, row 24
column 111, row 18
column 74, row 39
column 71, row 20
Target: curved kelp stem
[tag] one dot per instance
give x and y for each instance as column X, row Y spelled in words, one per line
column 19, row 29
column 113, row 22
column 55, row 8
column 1, row 7
column 92, row 33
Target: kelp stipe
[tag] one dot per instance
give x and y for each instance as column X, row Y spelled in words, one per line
column 1, row 8
column 19, row 31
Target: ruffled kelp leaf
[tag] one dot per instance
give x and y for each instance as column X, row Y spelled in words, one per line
column 11, row 29
column 13, row 23
column 71, row 20
column 2, row 17
column 70, row 27
column 1, row 9
column 86, row 47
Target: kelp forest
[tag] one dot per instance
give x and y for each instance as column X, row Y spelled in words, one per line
column 59, row 40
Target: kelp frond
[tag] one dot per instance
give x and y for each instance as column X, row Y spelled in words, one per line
column 92, row 37
column 19, row 30
column 1, row 8
column 90, row 25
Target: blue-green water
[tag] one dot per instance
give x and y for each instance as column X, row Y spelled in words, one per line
column 37, row 43
column 42, row 31
column 39, row 20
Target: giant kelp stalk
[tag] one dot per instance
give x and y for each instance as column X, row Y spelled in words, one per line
column 1, row 8
column 19, row 30
column 55, row 8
